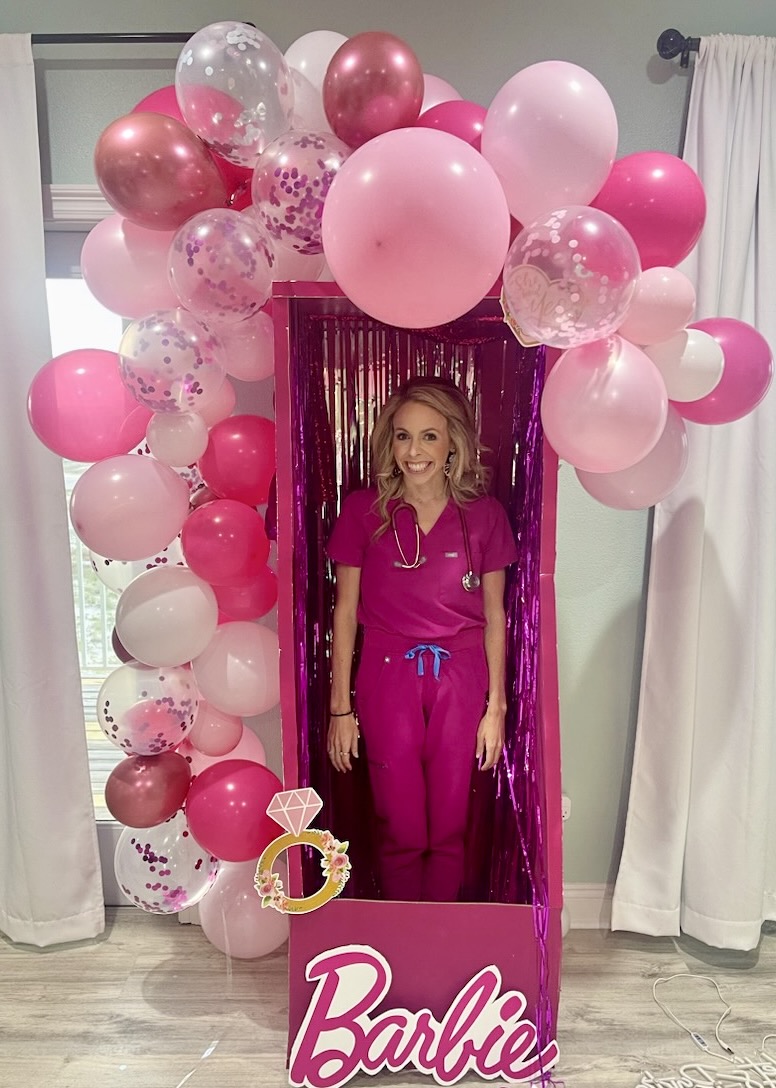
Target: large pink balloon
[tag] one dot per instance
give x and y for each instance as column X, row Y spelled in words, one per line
column 460, row 118
column 551, row 136
column 249, row 348
column 604, row 405
column 128, row 507
column 233, row 919
column 650, row 480
column 125, row 267
column 215, row 733
column 226, row 809
column 374, row 83
column 164, row 100
column 225, row 543
column 415, row 227
column 80, row 408
column 746, row 377
column 239, row 462
column 660, row 201
column 155, row 171
column 251, row 601
column 143, row 791
column 238, row 671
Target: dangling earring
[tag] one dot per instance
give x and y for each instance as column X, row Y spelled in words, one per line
column 449, row 462
column 396, row 471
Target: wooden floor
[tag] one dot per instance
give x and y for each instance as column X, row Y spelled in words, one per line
column 151, row 1004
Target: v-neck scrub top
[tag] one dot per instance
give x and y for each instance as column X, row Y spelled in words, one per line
column 428, row 602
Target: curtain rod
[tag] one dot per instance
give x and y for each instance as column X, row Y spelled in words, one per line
column 671, row 43
column 111, row 39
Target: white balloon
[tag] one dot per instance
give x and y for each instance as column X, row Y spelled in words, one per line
column 178, row 439
column 309, row 114
column 311, row 54
column 250, row 349
column 691, row 363
column 166, row 617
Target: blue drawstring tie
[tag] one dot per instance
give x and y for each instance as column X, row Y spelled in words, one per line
column 440, row 655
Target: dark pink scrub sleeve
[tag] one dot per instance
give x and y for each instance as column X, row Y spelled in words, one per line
column 349, row 539
column 499, row 550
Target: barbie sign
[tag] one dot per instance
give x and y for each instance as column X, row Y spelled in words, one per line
column 483, row 1030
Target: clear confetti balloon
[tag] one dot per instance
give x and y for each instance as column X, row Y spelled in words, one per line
column 290, row 184
column 234, row 89
column 171, row 362
column 116, row 574
column 162, row 869
column 220, row 266
column 569, row 277
column 146, row 710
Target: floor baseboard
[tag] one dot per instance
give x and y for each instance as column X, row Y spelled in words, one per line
column 588, row 906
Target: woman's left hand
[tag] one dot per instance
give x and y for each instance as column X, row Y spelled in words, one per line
column 490, row 739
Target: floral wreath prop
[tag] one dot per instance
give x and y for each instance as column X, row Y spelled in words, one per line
column 294, row 809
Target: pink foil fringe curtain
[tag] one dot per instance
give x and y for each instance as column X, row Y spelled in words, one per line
column 344, row 366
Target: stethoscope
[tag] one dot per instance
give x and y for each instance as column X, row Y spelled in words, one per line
column 470, row 581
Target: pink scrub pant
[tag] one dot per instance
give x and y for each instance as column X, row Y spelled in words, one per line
column 418, row 717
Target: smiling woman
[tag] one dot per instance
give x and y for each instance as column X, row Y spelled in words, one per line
column 420, row 563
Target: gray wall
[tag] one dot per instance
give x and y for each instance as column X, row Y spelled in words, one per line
column 477, row 47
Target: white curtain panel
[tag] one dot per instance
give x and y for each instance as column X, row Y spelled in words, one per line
column 50, row 884
column 700, row 840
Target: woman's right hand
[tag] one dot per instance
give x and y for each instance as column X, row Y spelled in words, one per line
column 342, row 743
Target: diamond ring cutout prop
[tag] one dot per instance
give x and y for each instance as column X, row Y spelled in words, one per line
column 295, row 810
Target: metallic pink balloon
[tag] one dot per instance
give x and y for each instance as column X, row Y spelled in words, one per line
column 156, row 172
column 143, row 791
column 374, row 83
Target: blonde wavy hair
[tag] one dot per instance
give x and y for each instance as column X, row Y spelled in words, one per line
column 466, row 478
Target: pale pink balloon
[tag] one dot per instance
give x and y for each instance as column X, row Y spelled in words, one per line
column 651, row 479
column 415, row 227
column 238, row 671
column 604, row 405
column 291, row 265
column 551, row 136
column 178, row 439
column 436, row 90
column 125, row 267
column 221, row 405
column 249, row 349
column 215, row 733
column 166, row 616
column 153, row 170
column 662, row 304
column 248, row 746
column 233, row 919
column 220, row 266
column 128, row 507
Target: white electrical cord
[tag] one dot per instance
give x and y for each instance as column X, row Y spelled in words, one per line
column 697, row 1038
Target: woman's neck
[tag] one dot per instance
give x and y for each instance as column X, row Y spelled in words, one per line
column 421, row 496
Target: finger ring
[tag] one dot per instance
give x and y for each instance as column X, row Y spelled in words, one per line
column 343, row 752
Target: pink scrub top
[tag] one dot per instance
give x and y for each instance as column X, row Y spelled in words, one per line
column 428, row 602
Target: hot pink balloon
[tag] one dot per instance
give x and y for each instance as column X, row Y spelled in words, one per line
column 551, row 136
column 143, row 791
column 662, row 305
column 226, row 809
column 164, row 100
column 238, row 671
column 79, row 407
column 746, row 377
column 460, row 118
column 233, row 919
column 415, row 227
column 155, row 171
column 374, row 83
column 604, row 405
column 125, row 267
column 128, row 507
column 239, row 462
column 660, row 201
column 650, row 480
column 251, row 601
column 224, row 542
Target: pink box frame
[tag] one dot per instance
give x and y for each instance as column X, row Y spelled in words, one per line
column 433, row 949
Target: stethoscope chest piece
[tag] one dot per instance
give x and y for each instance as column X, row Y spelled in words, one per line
column 470, row 581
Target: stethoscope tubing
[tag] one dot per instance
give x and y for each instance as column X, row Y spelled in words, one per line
column 470, row 580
